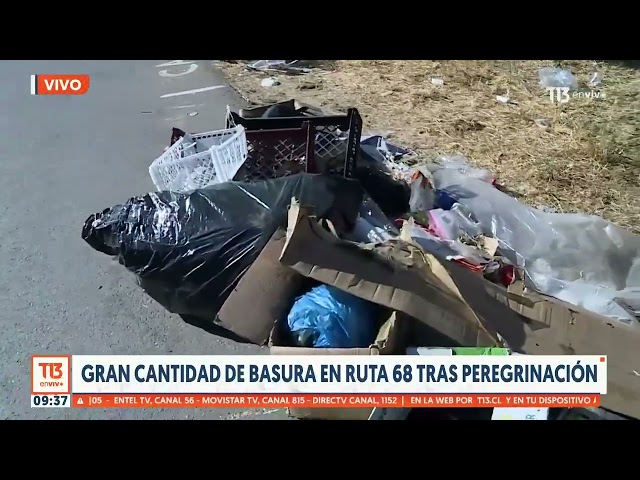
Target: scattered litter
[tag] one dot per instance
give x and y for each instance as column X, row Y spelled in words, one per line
column 269, row 64
column 543, row 123
column 437, row 81
column 288, row 66
column 557, row 78
column 460, row 164
column 595, row 79
column 443, row 224
column 270, row 82
column 450, row 250
column 423, row 195
column 229, row 209
column 372, row 226
column 378, row 149
column 580, row 259
column 366, row 232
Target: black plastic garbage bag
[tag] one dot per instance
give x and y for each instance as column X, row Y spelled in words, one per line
column 190, row 250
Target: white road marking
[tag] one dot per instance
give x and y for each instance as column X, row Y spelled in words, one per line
column 174, row 63
column 196, row 90
column 184, row 106
column 166, row 73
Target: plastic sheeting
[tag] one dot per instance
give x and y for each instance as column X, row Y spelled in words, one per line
column 190, row 250
column 581, row 259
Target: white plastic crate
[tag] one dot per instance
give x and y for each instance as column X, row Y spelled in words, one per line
column 199, row 160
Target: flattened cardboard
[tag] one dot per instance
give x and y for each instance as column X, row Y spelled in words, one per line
column 397, row 275
column 466, row 308
column 552, row 327
column 263, row 295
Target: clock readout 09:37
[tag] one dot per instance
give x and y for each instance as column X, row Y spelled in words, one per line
column 50, row 401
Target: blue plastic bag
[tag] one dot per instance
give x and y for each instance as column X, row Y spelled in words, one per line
column 330, row 318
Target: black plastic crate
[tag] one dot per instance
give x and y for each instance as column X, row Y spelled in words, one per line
column 289, row 145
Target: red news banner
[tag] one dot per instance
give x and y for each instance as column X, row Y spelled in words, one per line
column 334, row 401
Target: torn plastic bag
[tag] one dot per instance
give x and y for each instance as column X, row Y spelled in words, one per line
column 580, row 259
column 190, row 250
column 423, row 195
column 327, row 317
column 462, row 165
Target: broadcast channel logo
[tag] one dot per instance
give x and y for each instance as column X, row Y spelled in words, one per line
column 50, row 374
column 59, row 84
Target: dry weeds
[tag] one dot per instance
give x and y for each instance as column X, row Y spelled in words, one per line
column 587, row 160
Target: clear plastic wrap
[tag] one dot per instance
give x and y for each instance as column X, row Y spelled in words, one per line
column 372, row 226
column 557, row 77
column 581, row 259
column 190, row 250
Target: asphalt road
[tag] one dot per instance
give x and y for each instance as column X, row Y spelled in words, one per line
column 62, row 159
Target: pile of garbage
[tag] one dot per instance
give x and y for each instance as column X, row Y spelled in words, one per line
column 292, row 229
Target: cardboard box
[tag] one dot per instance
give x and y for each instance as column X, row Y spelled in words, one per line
column 459, row 308
column 389, row 341
column 547, row 326
column 259, row 305
column 261, row 301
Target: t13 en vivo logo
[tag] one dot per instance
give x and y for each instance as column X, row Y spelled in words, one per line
column 59, row 84
column 562, row 94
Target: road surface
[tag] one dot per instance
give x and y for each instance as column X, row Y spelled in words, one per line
column 64, row 158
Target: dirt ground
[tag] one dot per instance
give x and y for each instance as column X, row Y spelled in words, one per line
column 580, row 156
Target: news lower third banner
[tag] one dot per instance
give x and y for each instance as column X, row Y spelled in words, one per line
column 317, row 381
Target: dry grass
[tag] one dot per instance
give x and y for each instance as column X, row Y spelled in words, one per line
column 586, row 161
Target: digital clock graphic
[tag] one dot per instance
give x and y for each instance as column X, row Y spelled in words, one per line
column 50, row 401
